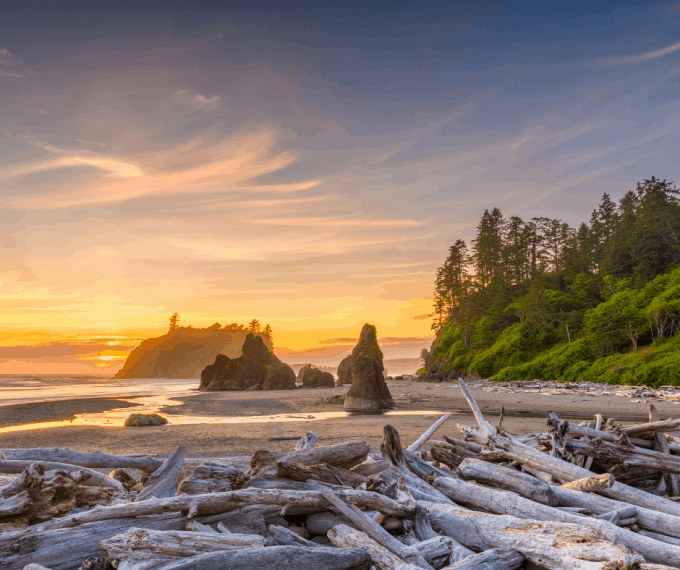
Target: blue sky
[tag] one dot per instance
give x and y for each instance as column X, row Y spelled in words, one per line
column 303, row 163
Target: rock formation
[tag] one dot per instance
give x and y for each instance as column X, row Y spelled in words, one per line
column 183, row 352
column 315, row 378
column 145, row 420
column 368, row 391
column 302, row 371
column 256, row 365
column 345, row 370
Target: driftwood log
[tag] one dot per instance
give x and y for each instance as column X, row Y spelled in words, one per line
column 494, row 559
column 556, row 546
column 94, row 459
column 276, row 558
column 96, row 479
column 163, row 482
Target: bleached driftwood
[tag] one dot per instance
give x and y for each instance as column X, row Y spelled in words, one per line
column 251, row 519
column 40, row 495
column 661, row 445
column 425, row 532
column 464, row 447
column 15, row 505
column 372, row 468
column 624, row 454
column 275, row 558
column 486, row 426
column 221, row 502
column 508, row 479
column 418, row 443
column 593, row 484
column 507, row 503
column 650, row 428
column 30, row 478
column 143, row 544
column 494, row 559
column 346, row 454
column 321, row 523
column 212, row 477
column 96, row 480
column 196, row 526
column 374, row 530
column 65, row 549
column 503, row 447
column 284, row 536
column 307, row 441
column 556, row 546
column 163, row 482
column 92, row 496
column 346, row 537
column 652, row 520
column 94, row 459
column 436, row 549
column 323, row 472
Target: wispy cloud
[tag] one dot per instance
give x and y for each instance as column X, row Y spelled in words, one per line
column 197, row 165
column 196, row 100
column 647, row 55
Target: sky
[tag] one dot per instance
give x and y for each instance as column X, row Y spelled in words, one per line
column 304, row 164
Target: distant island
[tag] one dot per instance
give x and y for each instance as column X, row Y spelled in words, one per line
column 183, row 352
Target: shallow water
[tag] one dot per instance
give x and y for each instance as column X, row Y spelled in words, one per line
column 115, row 418
column 24, row 389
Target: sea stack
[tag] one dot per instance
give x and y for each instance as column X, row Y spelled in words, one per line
column 257, row 366
column 368, row 392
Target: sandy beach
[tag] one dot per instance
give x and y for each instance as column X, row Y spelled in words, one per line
column 226, row 423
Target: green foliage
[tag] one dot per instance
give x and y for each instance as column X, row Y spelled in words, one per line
column 420, row 371
column 552, row 302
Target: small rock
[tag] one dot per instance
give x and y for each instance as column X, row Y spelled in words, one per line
column 315, row 378
column 255, row 387
column 145, row 420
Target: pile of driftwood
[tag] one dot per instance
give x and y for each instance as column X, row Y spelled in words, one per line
column 577, row 497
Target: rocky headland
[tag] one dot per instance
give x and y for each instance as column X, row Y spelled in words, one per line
column 184, row 352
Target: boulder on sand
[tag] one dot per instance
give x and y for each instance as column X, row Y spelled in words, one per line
column 345, row 370
column 301, row 372
column 145, row 420
column 315, row 378
column 256, row 365
column 368, row 391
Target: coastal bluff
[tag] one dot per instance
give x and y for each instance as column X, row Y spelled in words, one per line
column 184, row 352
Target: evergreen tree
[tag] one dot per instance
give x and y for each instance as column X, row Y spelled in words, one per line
column 254, row 326
column 174, row 322
column 269, row 333
column 488, row 246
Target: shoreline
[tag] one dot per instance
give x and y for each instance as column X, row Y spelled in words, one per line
column 418, row 405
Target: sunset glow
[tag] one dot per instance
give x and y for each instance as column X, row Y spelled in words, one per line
column 305, row 166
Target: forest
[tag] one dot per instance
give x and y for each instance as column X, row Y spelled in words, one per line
column 543, row 300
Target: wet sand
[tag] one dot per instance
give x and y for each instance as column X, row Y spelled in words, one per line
column 21, row 414
column 524, row 413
